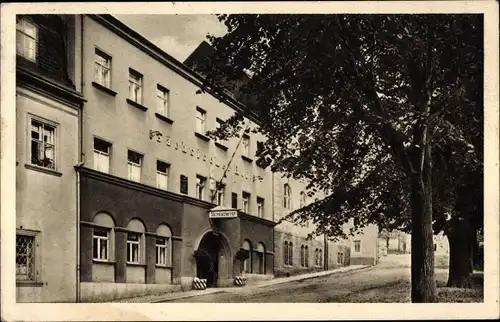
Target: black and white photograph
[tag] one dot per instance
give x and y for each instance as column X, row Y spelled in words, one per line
column 210, row 153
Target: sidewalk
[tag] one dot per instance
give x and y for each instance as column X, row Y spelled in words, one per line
column 280, row 280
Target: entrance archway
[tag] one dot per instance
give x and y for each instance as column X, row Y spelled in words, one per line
column 212, row 258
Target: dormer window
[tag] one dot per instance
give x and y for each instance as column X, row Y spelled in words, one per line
column 26, row 39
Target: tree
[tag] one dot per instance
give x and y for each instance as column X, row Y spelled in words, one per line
column 355, row 104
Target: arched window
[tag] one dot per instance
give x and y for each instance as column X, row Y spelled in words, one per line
column 306, row 255
column 290, row 254
column 261, row 254
column 320, row 257
column 316, row 256
column 136, row 242
column 103, row 237
column 163, row 246
column 285, row 253
column 302, row 261
column 302, row 199
column 287, row 196
column 247, row 263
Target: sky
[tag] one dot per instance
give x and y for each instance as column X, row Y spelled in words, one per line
column 177, row 35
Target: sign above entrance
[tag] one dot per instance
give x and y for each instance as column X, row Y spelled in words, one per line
column 220, row 212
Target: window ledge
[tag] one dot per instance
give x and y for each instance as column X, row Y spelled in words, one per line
column 247, row 159
column 221, row 146
column 104, row 262
column 164, row 118
column 137, row 105
column 29, row 283
column 164, row 266
column 202, row 136
column 104, row 89
column 136, row 264
column 42, row 169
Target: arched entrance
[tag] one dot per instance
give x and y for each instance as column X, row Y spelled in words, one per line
column 212, row 258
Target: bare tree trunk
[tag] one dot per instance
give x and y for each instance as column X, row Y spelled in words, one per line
column 423, row 286
column 459, row 272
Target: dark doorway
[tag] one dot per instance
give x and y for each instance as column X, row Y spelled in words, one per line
column 207, row 261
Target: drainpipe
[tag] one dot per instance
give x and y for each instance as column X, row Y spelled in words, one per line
column 80, row 164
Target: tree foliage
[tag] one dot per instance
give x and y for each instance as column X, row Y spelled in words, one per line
column 373, row 109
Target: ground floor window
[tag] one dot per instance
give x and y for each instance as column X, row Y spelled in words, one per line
column 247, row 263
column 100, row 244
column 340, row 258
column 133, row 241
column 25, row 257
column 261, row 258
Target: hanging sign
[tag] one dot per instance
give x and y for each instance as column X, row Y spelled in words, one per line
column 219, row 212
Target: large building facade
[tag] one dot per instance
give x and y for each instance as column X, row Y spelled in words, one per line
column 136, row 198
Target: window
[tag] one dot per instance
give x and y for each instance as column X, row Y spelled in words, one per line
column 316, row 257
column 320, row 257
column 234, row 200
column 161, row 175
column 201, row 116
column 135, row 242
column 285, row 253
column 218, row 126
column 302, row 256
column 261, row 256
column 200, row 187
column 102, row 72
column 340, row 258
column 163, row 246
column 101, row 155
column 134, row 166
column 162, row 95
column 42, row 144
column 245, row 202
column 306, row 255
column 219, row 195
column 100, row 244
column 133, row 249
column 290, row 254
column 247, row 263
column 287, row 194
column 26, row 39
column 260, row 147
column 135, row 86
column 184, row 184
column 25, row 258
column 302, row 199
column 260, row 207
column 357, row 246
column 245, row 142
column 103, row 238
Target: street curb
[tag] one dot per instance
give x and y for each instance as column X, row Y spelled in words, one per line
column 278, row 281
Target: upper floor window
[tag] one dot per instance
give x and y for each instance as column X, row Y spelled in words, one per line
column 162, row 95
column 302, row 199
column 200, row 187
column 43, row 144
column 357, row 246
column 201, row 116
column 245, row 142
column 219, row 195
column 245, row 202
column 26, row 39
column 102, row 71
column 184, row 184
column 287, row 196
column 101, row 155
column 260, row 207
column 134, row 166
column 135, row 86
column 162, row 174
column 234, row 200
